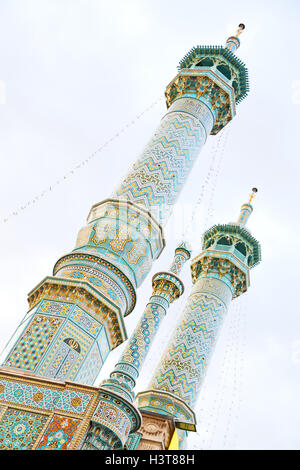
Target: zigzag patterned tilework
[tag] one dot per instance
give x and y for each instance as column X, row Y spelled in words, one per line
column 61, row 341
column 160, row 173
column 184, row 362
column 182, row 254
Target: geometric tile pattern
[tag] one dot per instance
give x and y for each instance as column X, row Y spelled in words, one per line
column 183, row 365
column 29, row 350
column 66, row 357
column 182, row 254
column 63, row 361
column 143, row 335
column 54, row 308
column 57, row 341
column 90, row 368
column 133, row 441
column 160, row 173
column 133, row 250
column 85, row 321
column 43, row 397
column 59, row 433
column 166, row 288
column 103, row 345
column 97, row 281
column 19, row 429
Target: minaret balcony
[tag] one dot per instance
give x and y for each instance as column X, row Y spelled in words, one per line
column 208, row 86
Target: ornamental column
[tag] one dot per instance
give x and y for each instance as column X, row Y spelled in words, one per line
column 220, row 273
column 116, row 417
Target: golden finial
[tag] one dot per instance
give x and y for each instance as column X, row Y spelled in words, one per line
column 254, row 191
column 240, row 30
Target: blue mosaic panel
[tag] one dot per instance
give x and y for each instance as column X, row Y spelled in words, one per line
column 63, row 361
column 44, row 397
column 140, row 341
column 85, row 321
column 59, row 353
column 33, row 343
column 19, row 429
column 160, row 173
column 103, row 345
column 51, row 307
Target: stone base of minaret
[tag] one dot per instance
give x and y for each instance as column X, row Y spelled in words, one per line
column 165, row 416
column 156, row 430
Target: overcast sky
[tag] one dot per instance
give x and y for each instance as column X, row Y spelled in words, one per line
column 74, row 73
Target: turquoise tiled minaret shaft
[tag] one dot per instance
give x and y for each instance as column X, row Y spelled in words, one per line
column 219, row 273
column 104, row 432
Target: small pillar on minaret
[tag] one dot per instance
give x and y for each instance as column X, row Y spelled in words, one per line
column 246, row 209
column 220, row 273
column 117, row 393
column 233, row 42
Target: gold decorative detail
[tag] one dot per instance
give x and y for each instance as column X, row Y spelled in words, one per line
column 85, row 300
column 238, row 278
column 2, row 388
column 206, row 88
column 76, row 402
column 166, row 288
column 38, row 397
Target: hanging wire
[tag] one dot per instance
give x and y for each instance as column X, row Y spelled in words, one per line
column 223, row 388
column 234, row 375
column 24, row 320
column 211, row 179
column 208, row 412
column 80, row 165
column 242, row 353
column 223, row 138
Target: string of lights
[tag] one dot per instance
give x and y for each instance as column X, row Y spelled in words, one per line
column 241, row 375
column 208, row 408
column 76, row 168
column 220, row 149
column 224, row 383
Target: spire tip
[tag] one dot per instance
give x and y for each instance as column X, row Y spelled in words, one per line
column 233, row 42
column 254, row 191
column 241, row 29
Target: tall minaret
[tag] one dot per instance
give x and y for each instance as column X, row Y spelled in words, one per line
column 76, row 315
column 220, row 273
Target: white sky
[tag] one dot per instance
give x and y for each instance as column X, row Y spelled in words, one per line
column 72, row 74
